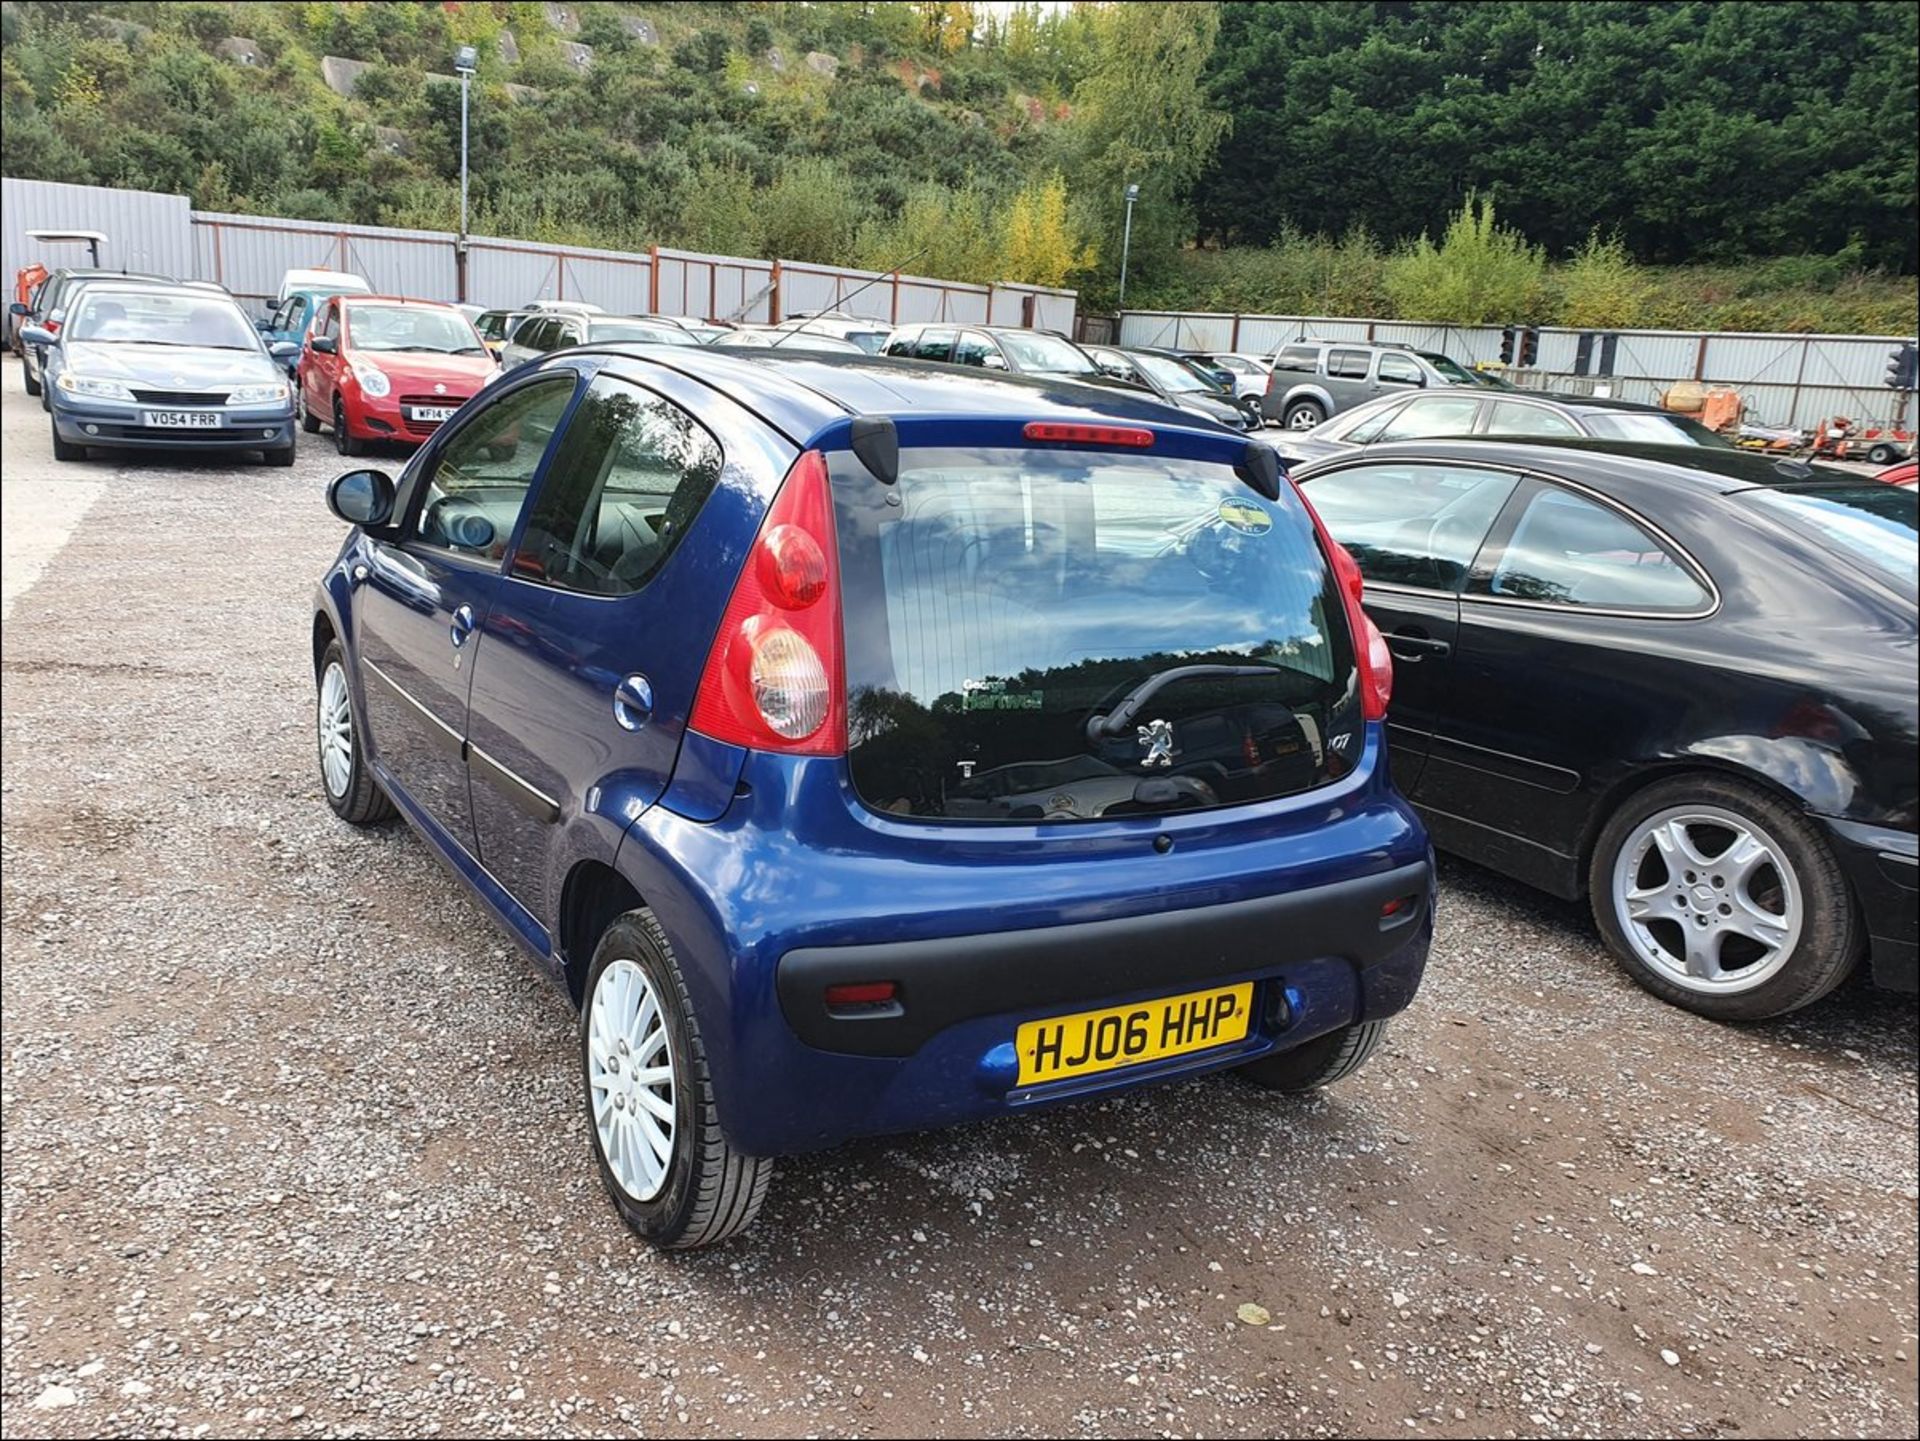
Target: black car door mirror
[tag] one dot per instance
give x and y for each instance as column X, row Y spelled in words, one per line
column 19, row 307
column 325, row 345
column 362, row 497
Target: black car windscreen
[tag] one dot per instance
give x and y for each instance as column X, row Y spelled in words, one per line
column 1040, row 635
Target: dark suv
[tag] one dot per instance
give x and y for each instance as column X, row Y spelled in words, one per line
column 867, row 746
column 1315, row 379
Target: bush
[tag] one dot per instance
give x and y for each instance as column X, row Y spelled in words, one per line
column 810, row 212
column 1602, row 288
column 1478, row 273
column 719, row 212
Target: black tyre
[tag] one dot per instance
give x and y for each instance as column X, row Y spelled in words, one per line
column 27, row 377
column 309, row 422
column 281, row 457
column 650, row 1112
column 1320, row 1062
column 343, row 441
column 1882, row 455
column 1304, row 415
column 345, row 777
column 1724, row 898
column 66, row 450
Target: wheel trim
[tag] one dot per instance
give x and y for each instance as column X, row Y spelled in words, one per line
column 1691, row 880
column 336, row 732
column 630, row 1079
column 1302, row 419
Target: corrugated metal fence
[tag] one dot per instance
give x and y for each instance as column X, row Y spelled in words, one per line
column 249, row 253
column 1784, row 379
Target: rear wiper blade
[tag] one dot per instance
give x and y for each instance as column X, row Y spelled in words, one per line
column 1101, row 726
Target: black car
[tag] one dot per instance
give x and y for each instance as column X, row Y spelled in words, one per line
column 1680, row 681
column 48, row 306
column 1510, row 413
column 1177, row 382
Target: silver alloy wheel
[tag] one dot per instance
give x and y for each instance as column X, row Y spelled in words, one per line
column 1303, row 419
column 1708, row 898
column 336, row 731
column 630, row 1079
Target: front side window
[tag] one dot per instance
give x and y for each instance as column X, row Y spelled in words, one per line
column 904, row 343
column 972, row 348
column 1008, row 597
column 1349, row 364
column 480, row 476
column 1418, row 525
column 1572, row 551
column 628, row 478
column 1398, row 370
column 329, row 319
column 1431, row 415
column 1301, row 359
column 155, row 317
column 1516, row 417
column 1450, row 371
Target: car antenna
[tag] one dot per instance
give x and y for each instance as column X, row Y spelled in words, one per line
column 843, row 299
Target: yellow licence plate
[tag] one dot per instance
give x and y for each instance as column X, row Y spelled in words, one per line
column 1078, row 1045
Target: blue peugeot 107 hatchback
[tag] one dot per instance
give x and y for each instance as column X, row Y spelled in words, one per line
column 869, row 747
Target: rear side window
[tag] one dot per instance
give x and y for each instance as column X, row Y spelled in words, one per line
column 1009, row 597
column 629, row 476
column 1349, row 364
column 1418, row 525
column 935, row 345
column 1304, row 359
column 1514, row 417
column 1568, row 550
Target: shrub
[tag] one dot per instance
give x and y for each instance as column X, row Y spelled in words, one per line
column 810, row 212
column 1601, row 287
column 1479, row 272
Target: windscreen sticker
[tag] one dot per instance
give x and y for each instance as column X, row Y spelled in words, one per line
column 1245, row 517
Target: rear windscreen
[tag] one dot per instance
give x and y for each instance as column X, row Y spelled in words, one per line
column 1063, row 635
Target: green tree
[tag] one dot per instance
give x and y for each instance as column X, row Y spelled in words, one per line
column 810, row 212
column 1602, row 287
column 1479, row 272
column 1042, row 240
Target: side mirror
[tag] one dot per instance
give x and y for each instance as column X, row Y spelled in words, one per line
column 37, row 335
column 264, row 324
column 19, row 307
column 324, row 345
column 283, row 350
column 362, row 497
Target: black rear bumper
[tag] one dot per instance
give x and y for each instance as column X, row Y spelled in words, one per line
column 1883, row 867
column 942, row 982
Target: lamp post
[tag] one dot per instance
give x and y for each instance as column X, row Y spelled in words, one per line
column 465, row 61
column 1126, row 243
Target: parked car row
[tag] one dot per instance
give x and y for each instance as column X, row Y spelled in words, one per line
column 958, row 627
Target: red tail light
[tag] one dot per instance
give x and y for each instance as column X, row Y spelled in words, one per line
column 51, row 326
column 1370, row 653
column 1089, row 434
column 776, row 676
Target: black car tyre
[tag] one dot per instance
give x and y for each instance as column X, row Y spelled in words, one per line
column 1305, row 415
column 345, row 776
column 1320, row 1062
column 343, row 440
column 1723, row 898
column 283, row 456
column 66, row 450
column 1882, row 455
column 649, row 1098
column 26, row 376
column 309, row 422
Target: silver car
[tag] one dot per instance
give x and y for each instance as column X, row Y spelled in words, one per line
column 1314, row 380
column 183, row 368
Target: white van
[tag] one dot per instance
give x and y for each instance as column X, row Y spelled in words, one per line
column 331, row 282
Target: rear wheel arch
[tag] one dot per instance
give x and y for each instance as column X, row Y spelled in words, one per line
column 592, row 898
column 1644, row 777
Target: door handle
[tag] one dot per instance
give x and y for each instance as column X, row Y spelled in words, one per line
column 1413, row 645
column 462, row 626
column 633, row 702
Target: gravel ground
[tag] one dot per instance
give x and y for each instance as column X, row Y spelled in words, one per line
column 292, row 1139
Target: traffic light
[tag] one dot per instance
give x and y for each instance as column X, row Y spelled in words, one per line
column 1903, row 368
column 1506, row 346
column 1529, row 346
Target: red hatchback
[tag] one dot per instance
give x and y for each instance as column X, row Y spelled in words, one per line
column 377, row 367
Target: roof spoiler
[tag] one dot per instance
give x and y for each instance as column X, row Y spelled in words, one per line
column 1260, row 468
column 876, row 444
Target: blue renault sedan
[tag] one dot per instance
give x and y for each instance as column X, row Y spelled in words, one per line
column 179, row 367
column 867, row 746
